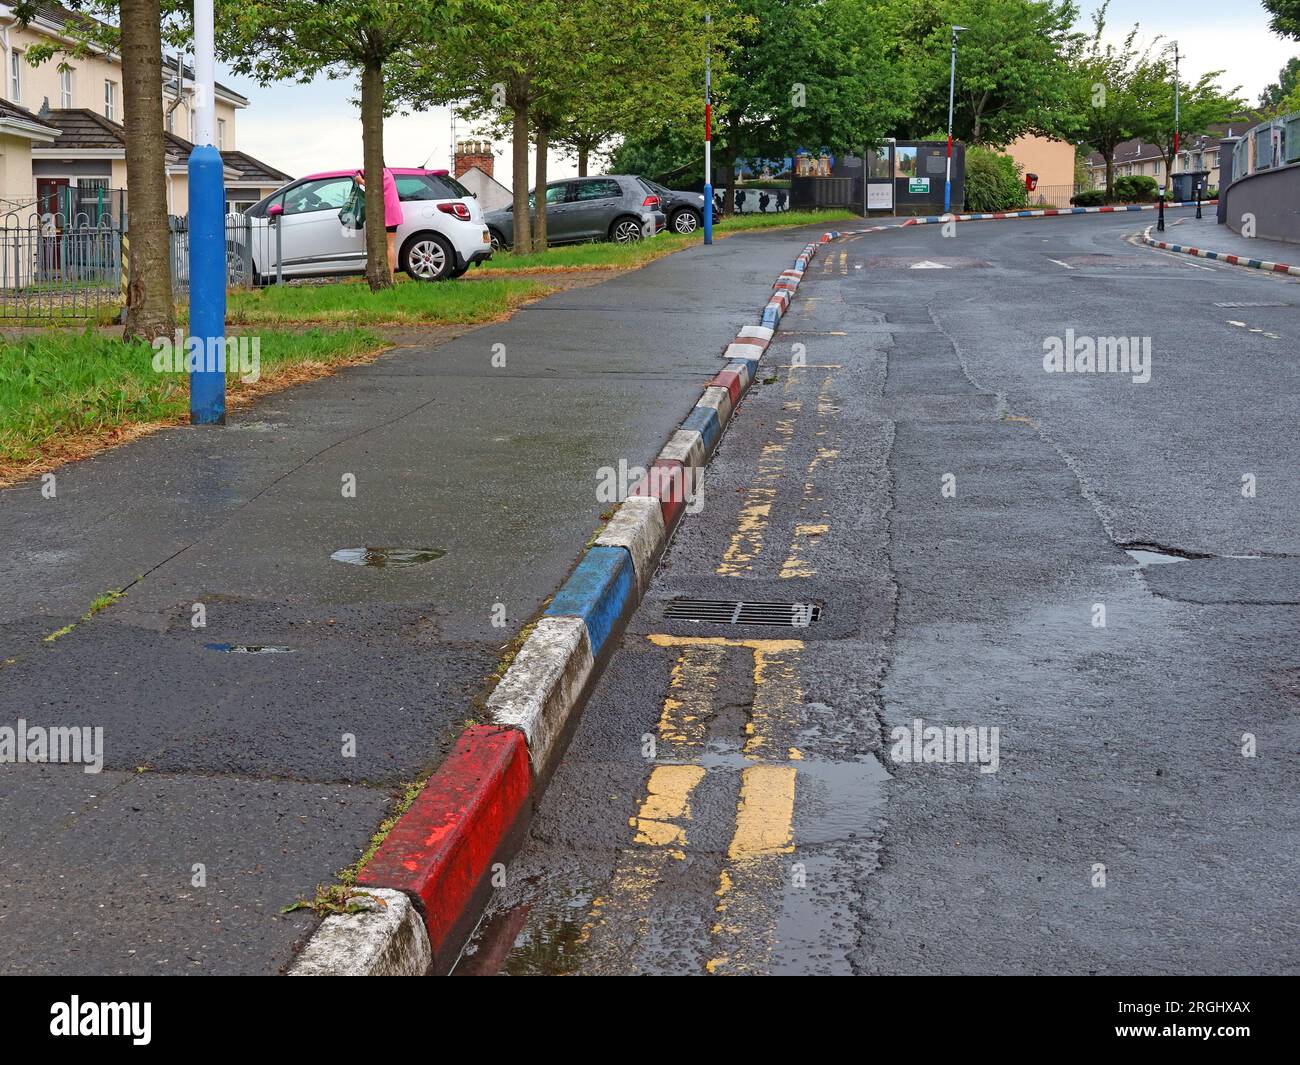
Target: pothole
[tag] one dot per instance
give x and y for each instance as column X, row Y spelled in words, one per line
column 388, row 557
column 248, row 649
column 1145, row 554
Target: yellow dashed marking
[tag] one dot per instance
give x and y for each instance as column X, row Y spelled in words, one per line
column 667, row 803
column 765, row 813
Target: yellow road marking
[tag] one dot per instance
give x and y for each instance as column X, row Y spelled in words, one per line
column 765, row 813
column 666, row 805
column 747, row 541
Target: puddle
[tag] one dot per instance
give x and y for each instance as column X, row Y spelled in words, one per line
column 387, row 556
column 248, row 649
column 1153, row 558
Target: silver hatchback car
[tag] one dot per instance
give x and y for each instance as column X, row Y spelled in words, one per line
column 617, row 207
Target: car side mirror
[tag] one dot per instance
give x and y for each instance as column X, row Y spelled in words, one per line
column 275, row 211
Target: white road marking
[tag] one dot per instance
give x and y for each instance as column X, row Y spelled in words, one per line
column 1059, row 263
column 926, row 264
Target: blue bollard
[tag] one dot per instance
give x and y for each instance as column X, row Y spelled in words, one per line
column 207, row 285
column 708, row 214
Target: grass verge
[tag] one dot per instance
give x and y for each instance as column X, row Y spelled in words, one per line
column 407, row 302
column 65, row 395
column 607, row 256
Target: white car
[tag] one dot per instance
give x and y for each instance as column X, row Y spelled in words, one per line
column 441, row 236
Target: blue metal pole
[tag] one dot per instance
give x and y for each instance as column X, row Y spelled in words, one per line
column 207, row 238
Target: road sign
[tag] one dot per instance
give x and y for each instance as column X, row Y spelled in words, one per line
column 918, row 184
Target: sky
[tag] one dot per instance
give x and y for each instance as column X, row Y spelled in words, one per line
column 304, row 128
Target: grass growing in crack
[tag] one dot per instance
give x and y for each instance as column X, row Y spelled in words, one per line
column 100, row 602
column 334, row 899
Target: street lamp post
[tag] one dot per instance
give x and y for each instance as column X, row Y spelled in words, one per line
column 708, row 132
column 952, row 81
column 207, row 251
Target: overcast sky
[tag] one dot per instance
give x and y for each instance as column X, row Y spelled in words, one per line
column 302, row 128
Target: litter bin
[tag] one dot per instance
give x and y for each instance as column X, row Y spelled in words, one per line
column 1184, row 190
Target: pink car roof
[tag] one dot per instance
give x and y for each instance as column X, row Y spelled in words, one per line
column 390, row 169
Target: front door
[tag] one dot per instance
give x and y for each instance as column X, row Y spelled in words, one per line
column 52, row 208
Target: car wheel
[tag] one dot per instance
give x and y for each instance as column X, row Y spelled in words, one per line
column 625, row 231
column 427, row 257
column 685, row 221
column 498, row 241
column 239, row 270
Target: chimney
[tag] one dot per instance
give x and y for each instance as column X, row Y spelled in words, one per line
column 473, row 153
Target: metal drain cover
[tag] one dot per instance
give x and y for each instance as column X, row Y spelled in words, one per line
column 731, row 612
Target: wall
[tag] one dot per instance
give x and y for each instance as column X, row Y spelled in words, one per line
column 16, row 183
column 1051, row 160
column 1273, row 197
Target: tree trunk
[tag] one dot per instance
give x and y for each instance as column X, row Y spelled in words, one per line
column 543, row 144
column 372, row 156
column 523, row 237
column 1109, row 156
column 583, row 153
column 729, row 162
column 149, row 309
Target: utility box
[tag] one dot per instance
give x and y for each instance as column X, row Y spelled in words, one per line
column 1186, row 184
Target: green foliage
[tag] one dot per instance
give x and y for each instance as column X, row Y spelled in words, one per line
column 1011, row 77
column 1136, row 188
column 1286, row 17
column 1089, row 198
column 994, row 182
column 1288, row 79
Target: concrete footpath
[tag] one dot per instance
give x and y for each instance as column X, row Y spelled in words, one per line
column 247, row 760
column 1206, row 234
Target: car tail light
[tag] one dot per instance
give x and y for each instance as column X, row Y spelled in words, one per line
column 652, row 202
column 457, row 209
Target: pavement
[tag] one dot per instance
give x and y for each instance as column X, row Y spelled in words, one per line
column 250, row 759
column 1206, row 233
column 1103, row 570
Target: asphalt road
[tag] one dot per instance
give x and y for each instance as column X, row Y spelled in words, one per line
column 230, row 786
column 1105, row 571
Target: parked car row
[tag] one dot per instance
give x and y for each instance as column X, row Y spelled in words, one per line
column 298, row 231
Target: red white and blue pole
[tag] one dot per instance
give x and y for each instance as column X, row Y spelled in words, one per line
column 708, row 132
column 952, row 81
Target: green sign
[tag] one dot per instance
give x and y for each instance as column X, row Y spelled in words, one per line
column 918, row 184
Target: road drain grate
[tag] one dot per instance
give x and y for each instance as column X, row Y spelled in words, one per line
column 732, row 612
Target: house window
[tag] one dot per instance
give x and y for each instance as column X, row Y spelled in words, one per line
column 15, row 75
column 65, row 87
column 171, row 121
column 221, row 134
column 110, row 100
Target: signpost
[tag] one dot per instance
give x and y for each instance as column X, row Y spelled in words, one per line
column 207, row 342
column 952, row 81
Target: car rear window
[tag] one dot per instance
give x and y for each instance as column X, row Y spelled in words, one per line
column 598, row 189
column 445, row 187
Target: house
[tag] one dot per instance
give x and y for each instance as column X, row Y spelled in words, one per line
column 1051, row 160
column 83, row 162
column 472, row 167
column 1138, row 157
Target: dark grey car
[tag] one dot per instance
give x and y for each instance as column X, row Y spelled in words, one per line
column 684, row 210
column 617, row 207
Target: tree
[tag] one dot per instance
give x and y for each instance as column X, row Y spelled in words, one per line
column 1011, row 74
column 806, row 73
column 1286, row 17
column 635, row 89
column 1285, row 86
column 295, row 40
column 1113, row 87
column 1201, row 105
column 137, row 38
column 506, row 74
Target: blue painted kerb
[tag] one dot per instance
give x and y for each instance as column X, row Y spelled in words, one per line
column 599, row 591
column 704, row 420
